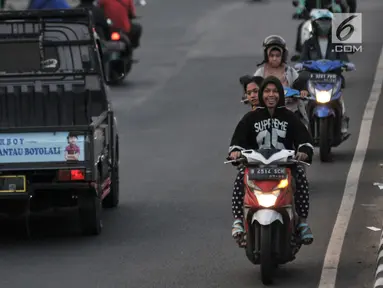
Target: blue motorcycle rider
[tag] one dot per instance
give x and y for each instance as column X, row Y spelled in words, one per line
column 48, row 4
column 319, row 46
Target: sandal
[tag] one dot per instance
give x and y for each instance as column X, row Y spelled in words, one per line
column 238, row 233
column 305, row 234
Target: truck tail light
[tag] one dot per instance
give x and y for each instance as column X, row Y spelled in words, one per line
column 71, row 175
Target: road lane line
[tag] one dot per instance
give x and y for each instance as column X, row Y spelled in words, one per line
column 334, row 249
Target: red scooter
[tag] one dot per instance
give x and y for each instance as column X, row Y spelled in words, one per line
column 269, row 213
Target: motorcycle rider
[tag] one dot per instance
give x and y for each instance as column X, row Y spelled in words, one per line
column 101, row 25
column 319, row 46
column 48, row 4
column 251, row 85
column 273, row 118
column 305, row 6
column 121, row 12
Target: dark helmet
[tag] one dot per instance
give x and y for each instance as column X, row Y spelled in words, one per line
column 321, row 22
column 274, row 42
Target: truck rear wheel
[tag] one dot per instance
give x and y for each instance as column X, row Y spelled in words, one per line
column 90, row 214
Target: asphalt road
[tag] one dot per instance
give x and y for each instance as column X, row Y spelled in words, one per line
column 176, row 115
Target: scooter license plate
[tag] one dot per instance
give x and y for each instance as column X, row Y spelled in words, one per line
column 268, row 173
column 327, row 78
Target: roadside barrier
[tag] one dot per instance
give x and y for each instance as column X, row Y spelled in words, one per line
column 378, row 283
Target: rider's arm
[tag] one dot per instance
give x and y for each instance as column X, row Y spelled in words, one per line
column 132, row 9
column 305, row 52
column 301, row 137
column 344, row 6
column 122, row 14
column 293, row 75
column 240, row 139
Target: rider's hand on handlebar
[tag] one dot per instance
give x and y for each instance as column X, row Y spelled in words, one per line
column 304, row 93
column 301, row 156
column 235, row 155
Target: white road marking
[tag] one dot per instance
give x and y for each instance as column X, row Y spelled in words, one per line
column 334, row 249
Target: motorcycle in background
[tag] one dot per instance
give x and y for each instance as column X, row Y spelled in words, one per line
column 305, row 28
column 325, row 113
column 117, row 55
column 269, row 214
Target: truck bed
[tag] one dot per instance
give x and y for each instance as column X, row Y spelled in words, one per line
column 47, row 104
column 50, row 73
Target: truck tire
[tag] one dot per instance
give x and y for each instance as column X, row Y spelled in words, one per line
column 113, row 198
column 90, row 214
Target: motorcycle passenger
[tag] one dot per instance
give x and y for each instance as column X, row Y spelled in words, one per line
column 121, row 12
column 319, row 46
column 273, row 118
column 48, row 4
column 274, row 62
column 101, row 25
column 251, row 85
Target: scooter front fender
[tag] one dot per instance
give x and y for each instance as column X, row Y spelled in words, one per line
column 266, row 217
column 323, row 111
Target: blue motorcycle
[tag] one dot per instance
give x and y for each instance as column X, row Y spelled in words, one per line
column 325, row 112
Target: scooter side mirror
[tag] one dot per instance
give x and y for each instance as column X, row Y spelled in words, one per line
column 295, row 3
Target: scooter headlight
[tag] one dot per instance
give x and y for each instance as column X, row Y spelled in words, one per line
column 267, row 199
column 323, row 96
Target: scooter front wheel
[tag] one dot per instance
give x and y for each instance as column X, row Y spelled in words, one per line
column 325, row 139
column 267, row 262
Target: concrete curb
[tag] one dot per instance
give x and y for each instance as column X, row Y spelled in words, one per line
column 379, row 266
